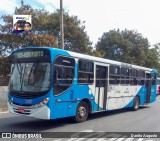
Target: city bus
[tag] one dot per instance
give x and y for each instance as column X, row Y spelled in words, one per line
column 50, row 83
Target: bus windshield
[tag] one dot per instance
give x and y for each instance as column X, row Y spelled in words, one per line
column 30, row 77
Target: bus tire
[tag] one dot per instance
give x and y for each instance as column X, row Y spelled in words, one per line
column 136, row 104
column 81, row 112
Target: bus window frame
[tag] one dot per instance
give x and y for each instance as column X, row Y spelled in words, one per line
column 61, row 85
column 125, row 75
column 84, row 72
column 115, row 75
column 30, row 60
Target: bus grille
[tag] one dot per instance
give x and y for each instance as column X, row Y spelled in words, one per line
column 26, row 95
column 21, row 104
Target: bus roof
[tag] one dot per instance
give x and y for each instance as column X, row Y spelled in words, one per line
column 108, row 61
column 93, row 58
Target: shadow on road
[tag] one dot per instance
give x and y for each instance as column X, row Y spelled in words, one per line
column 28, row 124
column 113, row 112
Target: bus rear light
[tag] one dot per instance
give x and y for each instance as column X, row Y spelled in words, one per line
column 158, row 89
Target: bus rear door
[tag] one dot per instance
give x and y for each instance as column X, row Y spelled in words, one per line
column 151, row 87
column 101, row 87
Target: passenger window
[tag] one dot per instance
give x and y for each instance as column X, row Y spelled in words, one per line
column 114, row 74
column 153, row 78
column 141, row 76
column 85, row 71
column 63, row 73
column 134, row 77
column 125, row 72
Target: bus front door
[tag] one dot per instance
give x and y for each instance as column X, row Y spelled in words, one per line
column 101, row 87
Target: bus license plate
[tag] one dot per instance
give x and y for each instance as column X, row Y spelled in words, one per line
column 21, row 110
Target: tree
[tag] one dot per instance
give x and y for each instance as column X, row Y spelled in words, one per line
column 98, row 53
column 114, row 46
column 139, row 46
column 128, row 46
column 10, row 41
column 152, row 60
column 155, row 56
column 157, row 47
column 46, row 32
column 75, row 38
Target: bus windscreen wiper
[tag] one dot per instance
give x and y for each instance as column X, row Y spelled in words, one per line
column 32, row 69
column 20, row 69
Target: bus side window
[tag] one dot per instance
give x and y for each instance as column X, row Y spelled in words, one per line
column 134, row 77
column 114, row 74
column 125, row 72
column 153, row 78
column 85, row 71
column 141, row 76
column 63, row 74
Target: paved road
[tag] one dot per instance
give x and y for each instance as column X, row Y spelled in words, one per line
column 146, row 119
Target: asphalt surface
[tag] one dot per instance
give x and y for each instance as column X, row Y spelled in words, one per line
column 146, row 119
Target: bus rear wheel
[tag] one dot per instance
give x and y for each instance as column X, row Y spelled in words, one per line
column 136, row 104
column 81, row 112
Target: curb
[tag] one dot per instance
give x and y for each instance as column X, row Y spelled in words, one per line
column 4, row 112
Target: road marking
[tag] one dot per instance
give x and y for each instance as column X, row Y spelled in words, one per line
column 140, row 139
column 129, row 139
column 100, row 137
column 120, row 139
column 112, row 139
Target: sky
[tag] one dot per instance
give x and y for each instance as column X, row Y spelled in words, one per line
column 103, row 15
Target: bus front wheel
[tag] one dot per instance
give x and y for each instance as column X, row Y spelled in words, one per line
column 81, row 112
column 136, row 104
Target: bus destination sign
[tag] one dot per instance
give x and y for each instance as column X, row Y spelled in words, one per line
column 30, row 54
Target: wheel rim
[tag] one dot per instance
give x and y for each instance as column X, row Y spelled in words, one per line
column 82, row 112
column 136, row 104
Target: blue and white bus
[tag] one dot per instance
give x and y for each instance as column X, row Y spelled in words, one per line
column 50, row 83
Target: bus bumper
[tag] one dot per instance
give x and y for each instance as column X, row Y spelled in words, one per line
column 40, row 113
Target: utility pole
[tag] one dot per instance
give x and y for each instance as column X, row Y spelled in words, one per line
column 61, row 24
column 22, row 2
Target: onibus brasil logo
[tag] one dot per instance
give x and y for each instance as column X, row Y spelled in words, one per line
column 22, row 23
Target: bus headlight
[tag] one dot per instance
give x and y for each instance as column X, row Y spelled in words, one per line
column 42, row 103
column 45, row 101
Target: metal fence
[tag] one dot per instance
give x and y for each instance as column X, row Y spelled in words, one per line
column 3, row 98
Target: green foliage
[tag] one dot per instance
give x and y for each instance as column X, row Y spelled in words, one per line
column 139, row 46
column 128, row 46
column 156, row 49
column 46, row 32
column 152, row 58
column 114, row 46
column 98, row 53
column 4, row 66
